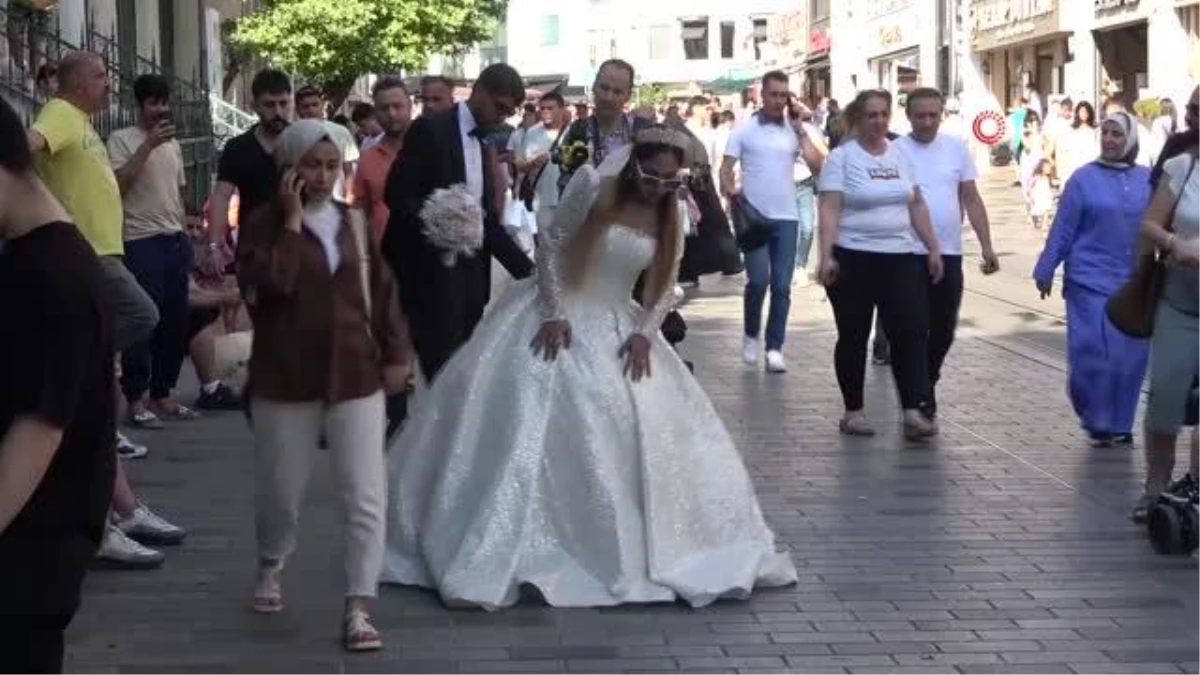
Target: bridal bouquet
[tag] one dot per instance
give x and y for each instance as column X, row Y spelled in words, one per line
column 571, row 156
column 453, row 220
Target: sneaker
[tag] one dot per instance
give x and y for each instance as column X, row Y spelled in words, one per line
column 775, row 362
column 140, row 417
column 1141, row 510
column 127, row 449
column 118, row 551
column 856, row 424
column 918, row 426
column 1100, row 439
column 147, row 527
column 750, row 350
column 1122, row 440
column 221, row 398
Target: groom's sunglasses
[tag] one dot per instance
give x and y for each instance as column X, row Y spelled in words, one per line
column 651, row 182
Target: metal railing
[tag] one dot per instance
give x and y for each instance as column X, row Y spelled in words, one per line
column 191, row 105
column 228, row 120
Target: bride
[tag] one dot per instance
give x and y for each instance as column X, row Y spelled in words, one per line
column 595, row 469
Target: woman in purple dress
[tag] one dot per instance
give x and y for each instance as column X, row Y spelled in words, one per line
column 1095, row 233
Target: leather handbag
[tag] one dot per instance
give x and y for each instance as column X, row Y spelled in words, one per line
column 1132, row 308
column 751, row 228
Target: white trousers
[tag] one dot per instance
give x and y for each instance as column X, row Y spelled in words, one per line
column 287, row 436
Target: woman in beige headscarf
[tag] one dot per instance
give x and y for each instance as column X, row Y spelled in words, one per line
column 329, row 338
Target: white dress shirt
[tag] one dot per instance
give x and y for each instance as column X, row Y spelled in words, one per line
column 472, row 151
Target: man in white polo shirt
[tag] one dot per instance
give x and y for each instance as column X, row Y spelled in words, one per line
column 946, row 174
column 767, row 144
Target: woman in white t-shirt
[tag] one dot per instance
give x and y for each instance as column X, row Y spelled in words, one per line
column 871, row 217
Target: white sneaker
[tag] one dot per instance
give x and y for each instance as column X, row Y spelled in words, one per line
column 918, row 427
column 118, row 551
column 775, row 362
column 127, row 449
column 750, row 350
column 147, row 527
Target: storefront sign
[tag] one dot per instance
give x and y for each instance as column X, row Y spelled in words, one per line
column 818, row 41
column 1107, row 5
column 997, row 23
column 1112, row 13
column 891, row 26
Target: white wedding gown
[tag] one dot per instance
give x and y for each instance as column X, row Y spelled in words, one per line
column 565, row 475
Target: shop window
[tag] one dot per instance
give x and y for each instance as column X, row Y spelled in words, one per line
column 727, row 32
column 549, row 33
column 760, row 38
column 695, row 39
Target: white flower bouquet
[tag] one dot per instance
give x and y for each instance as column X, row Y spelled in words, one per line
column 453, row 220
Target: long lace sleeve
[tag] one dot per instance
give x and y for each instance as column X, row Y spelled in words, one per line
column 652, row 316
column 573, row 208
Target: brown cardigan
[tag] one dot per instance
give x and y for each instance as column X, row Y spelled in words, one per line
column 311, row 338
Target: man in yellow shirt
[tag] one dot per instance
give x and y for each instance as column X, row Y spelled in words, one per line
column 73, row 163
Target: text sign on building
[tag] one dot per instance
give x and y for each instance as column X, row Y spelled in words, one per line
column 818, row 41
column 996, row 23
column 788, row 33
column 891, row 25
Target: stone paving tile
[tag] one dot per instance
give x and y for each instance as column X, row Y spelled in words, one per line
column 1003, row 546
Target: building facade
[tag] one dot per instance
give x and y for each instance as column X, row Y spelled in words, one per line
column 668, row 43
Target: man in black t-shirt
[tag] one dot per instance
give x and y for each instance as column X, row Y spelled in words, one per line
column 248, row 167
column 57, row 418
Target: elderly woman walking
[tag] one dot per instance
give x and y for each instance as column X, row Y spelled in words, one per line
column 328, row 340
column 1095, row 233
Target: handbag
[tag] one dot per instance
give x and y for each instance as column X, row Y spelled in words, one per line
column 1132, row 308
column 751, row 228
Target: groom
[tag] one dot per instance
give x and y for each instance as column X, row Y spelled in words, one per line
column 443, row 304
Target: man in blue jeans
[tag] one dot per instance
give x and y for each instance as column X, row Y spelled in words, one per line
column 767, row 145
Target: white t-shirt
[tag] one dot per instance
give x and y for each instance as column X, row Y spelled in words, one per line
column 538, row 141
column 875, row 196
column 800, row 169
column 767, row 153
column 941, row 166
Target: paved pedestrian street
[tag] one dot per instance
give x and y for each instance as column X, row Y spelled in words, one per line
column 1002, row 547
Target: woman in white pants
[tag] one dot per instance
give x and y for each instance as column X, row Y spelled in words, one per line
column 328, row 340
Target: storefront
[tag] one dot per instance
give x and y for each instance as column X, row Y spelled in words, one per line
column 1020, row 45
column 892, row 45
column 817, row 81
column 1122, row 50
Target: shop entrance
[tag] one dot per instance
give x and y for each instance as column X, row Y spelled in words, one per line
column 1124, row 60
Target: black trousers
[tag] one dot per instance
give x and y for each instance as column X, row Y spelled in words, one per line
column 898, row 285
column 945, row 299
column 32, row 643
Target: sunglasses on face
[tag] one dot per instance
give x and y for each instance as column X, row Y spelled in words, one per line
column 651, row 182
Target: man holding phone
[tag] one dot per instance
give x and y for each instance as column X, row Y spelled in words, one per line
column 148, row 162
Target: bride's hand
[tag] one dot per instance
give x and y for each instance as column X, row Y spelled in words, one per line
column 397, row 377
column 550, row 337
column 636, row 352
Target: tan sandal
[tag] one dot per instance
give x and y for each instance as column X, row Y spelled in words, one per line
column 268, row 593
column 358, row 634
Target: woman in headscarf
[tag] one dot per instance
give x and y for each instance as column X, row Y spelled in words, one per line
column 328, row 339
column 1095, row 233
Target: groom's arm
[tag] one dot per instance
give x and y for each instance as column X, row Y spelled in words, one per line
column 409, row 183
column 497, row 240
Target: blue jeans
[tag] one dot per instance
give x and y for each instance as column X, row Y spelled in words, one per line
column 773, row 265
column 805, row 196
column 162, row 265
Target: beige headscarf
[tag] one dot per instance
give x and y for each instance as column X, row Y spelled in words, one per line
column 300, row 137
column 1129, row 126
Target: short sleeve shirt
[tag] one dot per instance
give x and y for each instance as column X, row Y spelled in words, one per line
column 75, row 167
column 876, row 191
column 1182, row 288
column 942, row 166
column 248, row 166
column 153, row 204
column 61, row 354
column 767, row 153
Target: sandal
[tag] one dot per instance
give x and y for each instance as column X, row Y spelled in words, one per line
column 268, row 594
column 358, row 634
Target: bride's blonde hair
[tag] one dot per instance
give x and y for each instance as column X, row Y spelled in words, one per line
column 615, row 192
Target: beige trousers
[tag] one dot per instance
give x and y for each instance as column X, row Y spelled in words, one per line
column 287, row 436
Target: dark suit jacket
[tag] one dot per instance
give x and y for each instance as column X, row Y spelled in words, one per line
column 442, row 303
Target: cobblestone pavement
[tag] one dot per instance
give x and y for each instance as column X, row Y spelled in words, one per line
column 1002, row 547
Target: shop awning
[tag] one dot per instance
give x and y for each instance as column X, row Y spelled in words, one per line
column 731, row 82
